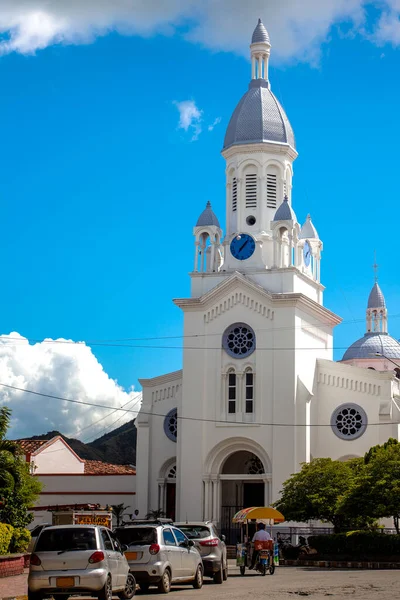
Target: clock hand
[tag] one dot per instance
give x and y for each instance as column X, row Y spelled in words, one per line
column 241, row 248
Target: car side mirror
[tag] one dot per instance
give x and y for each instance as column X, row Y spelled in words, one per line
column 190, row 543
column 223, row 538
column 124, row 548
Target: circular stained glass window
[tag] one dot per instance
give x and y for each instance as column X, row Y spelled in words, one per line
column 171, row 424
column 349, row 421
column 239, row 340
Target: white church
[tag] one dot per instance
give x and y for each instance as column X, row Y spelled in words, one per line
column 259, row 392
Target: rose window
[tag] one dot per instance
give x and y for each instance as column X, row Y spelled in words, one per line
column 239, row 340
column 349, row 421
column 171, row 425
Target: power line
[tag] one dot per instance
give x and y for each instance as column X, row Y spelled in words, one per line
column 197, row 419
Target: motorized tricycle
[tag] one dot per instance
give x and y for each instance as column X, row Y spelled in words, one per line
column 268, row 556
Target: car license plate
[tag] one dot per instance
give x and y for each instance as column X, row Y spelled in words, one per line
column 264, row 555
column 65, row 582
column 131, row 555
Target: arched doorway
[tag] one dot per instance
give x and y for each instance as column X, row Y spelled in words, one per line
column 242, row 485
column 167, row 489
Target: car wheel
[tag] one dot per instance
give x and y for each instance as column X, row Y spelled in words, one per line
column 219, row 575
column 130, row 588
column 164, row 585
column 106, row 592
column 198, row 580
column 225, row 572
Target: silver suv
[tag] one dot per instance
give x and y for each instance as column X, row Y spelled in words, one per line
column 160, row 554
column 211, row 547
column 84, row 560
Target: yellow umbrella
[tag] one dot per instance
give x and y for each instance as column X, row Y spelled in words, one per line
column 258, row 513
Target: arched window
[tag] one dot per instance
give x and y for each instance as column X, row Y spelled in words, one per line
column 249, row 390
column 397, row 372
column 232, row 391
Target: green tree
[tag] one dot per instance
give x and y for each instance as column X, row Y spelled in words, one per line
column 317, row 492
column 155, row 514
column 376, row 488
column 18, row 488
column 118, row 512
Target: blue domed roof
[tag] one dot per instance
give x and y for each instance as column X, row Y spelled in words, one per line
column 260, row 34
column 259, row 118
column 207, row 217
column 373, row 343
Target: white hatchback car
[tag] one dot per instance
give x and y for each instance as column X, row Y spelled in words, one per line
column 84, row 560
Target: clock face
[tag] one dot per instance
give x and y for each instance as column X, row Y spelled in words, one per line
column 242, row 246
column 307, row 254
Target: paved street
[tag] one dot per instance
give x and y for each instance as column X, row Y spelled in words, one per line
column 288, row 582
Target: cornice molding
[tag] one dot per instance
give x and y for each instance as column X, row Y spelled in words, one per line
column 161, row 379
column 263, row 148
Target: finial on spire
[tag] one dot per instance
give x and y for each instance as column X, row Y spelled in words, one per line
column 285, row 198
column 208, row 205
column 375, row 267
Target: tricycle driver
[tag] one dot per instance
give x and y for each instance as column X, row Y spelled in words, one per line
column 260, row 535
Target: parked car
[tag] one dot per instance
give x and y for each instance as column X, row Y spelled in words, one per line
column 160, row 554
column 211, row 547
column 35, row 534
column 84, row 560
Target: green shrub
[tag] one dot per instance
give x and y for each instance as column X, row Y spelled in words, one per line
column 357, row 544
column 20, row 540
column 6, row 532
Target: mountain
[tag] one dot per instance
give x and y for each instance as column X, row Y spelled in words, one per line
column 118, row 446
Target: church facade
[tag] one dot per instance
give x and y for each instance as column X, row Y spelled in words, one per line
column 259, row 392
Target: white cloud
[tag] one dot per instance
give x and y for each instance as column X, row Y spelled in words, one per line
column 297, row 28
column 190, row 117
column 60, row 369
column 214, row 123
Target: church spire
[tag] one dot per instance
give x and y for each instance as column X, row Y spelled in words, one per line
column 376, row 307
column 260, row 50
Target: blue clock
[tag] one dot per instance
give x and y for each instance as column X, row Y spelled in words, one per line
column 242, row 246
column 307, row 254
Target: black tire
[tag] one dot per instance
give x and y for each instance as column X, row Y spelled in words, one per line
column 225, row 572
column 198, row 579
column 35, row 595
column 144, row 587
column 242, row 570
column 164, row 585
column 272, row 569
column 106, row 592
column 130, row 588
column 263, row 570
column 219, row 575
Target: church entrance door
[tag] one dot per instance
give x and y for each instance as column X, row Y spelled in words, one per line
column 170, row 503
column 253, row 494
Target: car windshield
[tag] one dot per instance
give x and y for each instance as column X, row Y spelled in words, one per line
column 61, row 540
column 194, row 532
column 136, row 536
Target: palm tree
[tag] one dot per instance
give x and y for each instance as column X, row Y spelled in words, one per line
column 118, row 511
column 155, row 514
column 9, row 451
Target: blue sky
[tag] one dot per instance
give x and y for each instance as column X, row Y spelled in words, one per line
column 100, row 188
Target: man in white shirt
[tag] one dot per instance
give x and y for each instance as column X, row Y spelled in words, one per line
column 260, row 536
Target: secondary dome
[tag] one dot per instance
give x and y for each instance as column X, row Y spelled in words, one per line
column 376, row 298
column 260, row 34
column 207, row 217
column 259, row 118
column 373, row 343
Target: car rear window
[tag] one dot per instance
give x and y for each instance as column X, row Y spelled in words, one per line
column 136, row 536
column 76, row 538
column 195, row 532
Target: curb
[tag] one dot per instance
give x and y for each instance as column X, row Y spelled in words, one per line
column 339, row 564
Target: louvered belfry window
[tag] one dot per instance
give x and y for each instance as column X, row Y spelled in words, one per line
column 234, row 194
column 271, row 190
column 251, row 190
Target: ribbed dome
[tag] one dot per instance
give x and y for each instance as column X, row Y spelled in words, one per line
column 260, row 34
column 376, row 298
column 259, row 118
column 285, row 212
column 308, row 230
column 207, row 217
column 373, row 343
